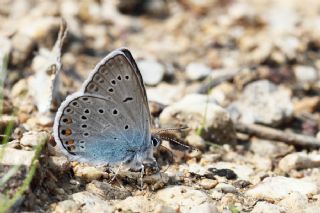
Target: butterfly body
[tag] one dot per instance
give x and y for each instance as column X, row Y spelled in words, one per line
column 108, row 120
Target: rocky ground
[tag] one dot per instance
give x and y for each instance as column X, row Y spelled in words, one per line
column 243, row 75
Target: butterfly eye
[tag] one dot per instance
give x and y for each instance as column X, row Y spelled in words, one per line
column 155, row 141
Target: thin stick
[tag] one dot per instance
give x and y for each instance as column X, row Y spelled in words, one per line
column 277, row 135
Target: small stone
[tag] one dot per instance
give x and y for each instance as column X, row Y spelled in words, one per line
column 226, row 188
column 200, row 7
column 208, row 183
column 23, row 46
column 265, row 207
column 151, row 70
column 261, row 163
column 58, row 164
column 5, row 47
column 33, row 138
column 262, row 102
column 5, row 120
column 197, row 71
column 305, row 74
column 60, row 191
column 306, row 104
column 16, row 157
column 166, row 93
column 196, row 141
column 154, row 8
column 44, row 120
column 241, row 184
column 217, row 127
column 243, row 172
column 205, row 208
column 67, row 206
column 275, row 188
column 183, row 198
column 92, row 203
column 87, row 173
column 294, row 202
column 228, row 173
column 299, row 160
column 107, row 191
column 137, row 204
column 312, row 208
column 270, row 149
column 41, row 29
column 19, row 89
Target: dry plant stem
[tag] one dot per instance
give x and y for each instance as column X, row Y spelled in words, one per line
column 206, row 86
column 277, row 135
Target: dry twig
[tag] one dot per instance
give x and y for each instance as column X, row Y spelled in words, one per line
column 277, row 135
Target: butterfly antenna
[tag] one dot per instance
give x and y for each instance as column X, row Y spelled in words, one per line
column 171, row 129
column 178, row 142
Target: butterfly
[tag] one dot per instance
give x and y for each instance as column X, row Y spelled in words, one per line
column 108, row 121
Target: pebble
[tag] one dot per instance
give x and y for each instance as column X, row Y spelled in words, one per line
column 226, row 188
column 261, row 163
column 107, row 191
column 306, row 105
column 276, row 188
column 67, row 206
column 197, row 71
column 208, row 183
column 58, row 164
column 152, row 71
column 165, row 93
column 138, row 204
column 265, row 207
column 269, row 149
column 299, row 160
column 243, row 172
column 153, row 8
column 305, row 74
column 6, row 119
column 262, row 102
column 16, row 157
column 294, row 202
column 196, row 141
column 5, row 49
column 184, row 198
column 91, row 203
column 22, row 46
column 87, row 173
column 33, row 138
column 211, row 121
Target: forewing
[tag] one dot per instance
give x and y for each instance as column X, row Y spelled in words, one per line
column 115, row 76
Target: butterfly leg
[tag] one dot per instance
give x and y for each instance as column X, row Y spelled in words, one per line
column 141, row 176
column 155, row 162
column 116, row 173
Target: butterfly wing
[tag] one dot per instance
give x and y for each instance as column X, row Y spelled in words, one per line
column 108, row 121
column 118, row 76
